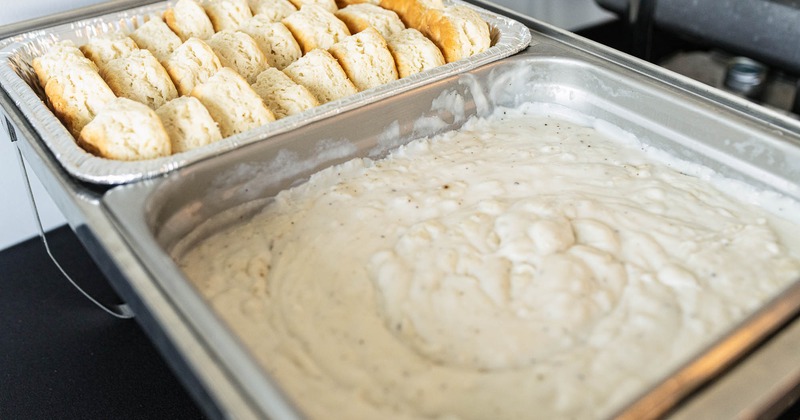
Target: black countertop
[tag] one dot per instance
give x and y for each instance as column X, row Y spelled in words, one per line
column 61, row 357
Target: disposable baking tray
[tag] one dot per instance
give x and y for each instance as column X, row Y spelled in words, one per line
column 154, row 216
column 19, row 81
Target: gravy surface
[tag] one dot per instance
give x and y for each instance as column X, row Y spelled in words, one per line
column 521, row 267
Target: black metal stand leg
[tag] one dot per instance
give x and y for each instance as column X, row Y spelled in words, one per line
column 796, row 104
column 122, row 311
column 641, row 14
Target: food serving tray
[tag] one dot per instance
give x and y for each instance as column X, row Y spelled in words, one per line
column 131, row 229
column 20, row 82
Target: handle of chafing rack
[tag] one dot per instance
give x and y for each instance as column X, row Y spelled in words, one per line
column 122, row 311
column 90, row 11
column 12, row 134
column 796, row 102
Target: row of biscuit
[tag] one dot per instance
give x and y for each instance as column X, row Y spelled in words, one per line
column 209, row 70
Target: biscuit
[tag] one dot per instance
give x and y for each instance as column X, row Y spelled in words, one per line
column 139, row 76
column 412, row 12
column 274, row 10
column 358, row 17
column 126, row 130
column 274, row 39
column 77, row 93
column 344, row 3
column 188, row 124
column 314, row 27
column 329, row 5
column 227, row 14
column 282, row 95
column 365, row 59
column 240, row 52
column 104, row 48
column 232, row 103
column 458, row 31
column 413, row 52
column 156, row 36
column 322, row 75
column 191, row 64
column 188, row 20
column 57, row 56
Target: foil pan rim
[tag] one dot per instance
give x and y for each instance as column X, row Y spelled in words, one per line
column 511, row 37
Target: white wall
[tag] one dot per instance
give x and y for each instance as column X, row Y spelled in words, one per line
column 567, row 14
column 16, row 216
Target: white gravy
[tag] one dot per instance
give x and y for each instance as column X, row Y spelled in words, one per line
column 522, row 267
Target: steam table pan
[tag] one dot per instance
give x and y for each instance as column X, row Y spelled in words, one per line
column 131, row 229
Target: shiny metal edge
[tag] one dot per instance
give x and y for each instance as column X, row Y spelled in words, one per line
column 18, row 80
column 716, row 361
column 762, row 385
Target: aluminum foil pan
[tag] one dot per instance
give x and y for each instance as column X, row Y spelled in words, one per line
column 19, row 81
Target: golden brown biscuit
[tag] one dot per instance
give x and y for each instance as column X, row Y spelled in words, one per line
column 329, row 5
column 191, row 64
column 188, row 124
column 412, row 12
column 413, row 52
column 365, row 59
column 139, row 76
column 344, row 3
column 77, row 93
column 314, row 27
column 156, row 36
column 322, row 75
column 274, row 10
column 232, row 103
column 458, row 31
column 227, row 14
column 358, row 17
column 274, row 39
column 56, row 58
column 188, row 20
column 240, row 52
column 282, row 95
column 104, row 48
column 126, row 130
